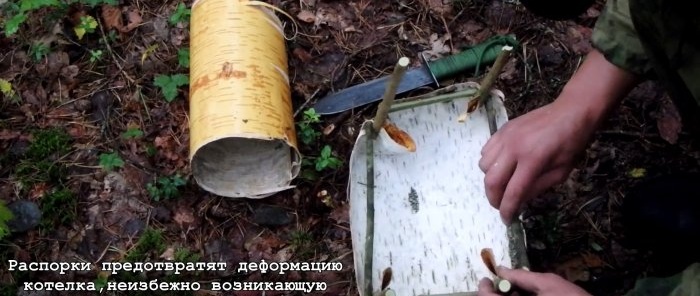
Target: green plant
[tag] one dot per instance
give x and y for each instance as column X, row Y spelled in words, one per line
column 109, row 161
column 6, row 88
column 165, row 187
column 326, row 160
column 93, row 3
column 183, row 57
column 39, row 50
column 5, row 216
column 87, row 24
column 181, row 14
column 151, row 240
column 307, row 133
column 95, row 55
column 132, row 133
column 19, row 11
column 47, row 143
column 302, row 243
column 58, row 208
column 185, row 255
column 170, row 83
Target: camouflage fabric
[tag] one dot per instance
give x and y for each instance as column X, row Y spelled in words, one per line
column 656, row 39
column 660, row 40
column 686, row 283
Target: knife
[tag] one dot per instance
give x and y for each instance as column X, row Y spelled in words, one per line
column 429, row 73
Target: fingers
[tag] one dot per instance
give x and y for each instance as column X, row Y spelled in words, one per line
column 486, row 288
column 518, row 187
column 489, row 157
column 526, row 280
column 496, row 178
column 492, row 141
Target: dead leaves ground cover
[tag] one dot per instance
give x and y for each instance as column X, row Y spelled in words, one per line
column 94, row 132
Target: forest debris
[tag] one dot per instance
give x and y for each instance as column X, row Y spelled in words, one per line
column 668, row 121
column 306, row 16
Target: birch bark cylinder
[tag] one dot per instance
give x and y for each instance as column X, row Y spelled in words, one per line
column 243, row 141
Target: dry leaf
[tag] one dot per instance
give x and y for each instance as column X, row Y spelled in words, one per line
column 112, row 17
column 183, row 216
column 400, row 137
column 169, row 254
column 306, row 16
column 301, row 54
column 341, row 214
column 439, row 6
column 669, row 121
column 134, row 18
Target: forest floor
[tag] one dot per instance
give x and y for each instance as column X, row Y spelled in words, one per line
column 94, row 132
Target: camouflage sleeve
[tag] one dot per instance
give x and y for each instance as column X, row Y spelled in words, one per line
column 686, row 283
column 614, row 36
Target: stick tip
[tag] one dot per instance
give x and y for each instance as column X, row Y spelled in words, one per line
column 504, row 286
column 403, row 62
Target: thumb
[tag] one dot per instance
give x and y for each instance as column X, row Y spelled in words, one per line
column 527, row 280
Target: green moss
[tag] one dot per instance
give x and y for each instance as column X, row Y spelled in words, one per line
column 58, row 208
column 302, row 242
column 151, row 241
column 47, row 143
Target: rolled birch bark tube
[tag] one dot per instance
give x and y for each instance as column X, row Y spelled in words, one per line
column 242, row 137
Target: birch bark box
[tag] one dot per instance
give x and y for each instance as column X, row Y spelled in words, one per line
column 432, row 217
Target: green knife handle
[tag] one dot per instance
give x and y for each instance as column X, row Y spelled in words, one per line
column 474, row 57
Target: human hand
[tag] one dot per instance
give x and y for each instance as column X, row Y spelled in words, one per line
column 540, row 284
column 537, row 150
column 531, row 153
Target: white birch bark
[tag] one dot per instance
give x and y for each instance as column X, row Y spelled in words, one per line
column 432, row 217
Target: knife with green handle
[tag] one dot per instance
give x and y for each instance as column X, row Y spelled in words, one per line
column 430, row 73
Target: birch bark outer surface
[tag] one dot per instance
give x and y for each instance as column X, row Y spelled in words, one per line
column 432, row 217
column 242, row 136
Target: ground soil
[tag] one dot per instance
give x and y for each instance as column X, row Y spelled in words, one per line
column 572, row 230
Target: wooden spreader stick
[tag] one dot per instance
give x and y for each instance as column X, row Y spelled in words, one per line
column 389, row 94
column 482, row 95
column 373, row 131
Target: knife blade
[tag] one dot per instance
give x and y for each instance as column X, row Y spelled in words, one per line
column 429, row 73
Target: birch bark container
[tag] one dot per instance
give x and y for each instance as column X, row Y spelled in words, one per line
column 432, row 217
column 243, row 142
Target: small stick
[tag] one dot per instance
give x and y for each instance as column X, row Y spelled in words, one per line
column 403, row 105
column 389, row 95
column 488, row 81
column 373, row 131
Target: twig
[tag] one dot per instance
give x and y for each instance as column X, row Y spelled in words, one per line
column 413, row 103
column 369, row 232
column 389, row 94
column 488, row 81
column 373, row 131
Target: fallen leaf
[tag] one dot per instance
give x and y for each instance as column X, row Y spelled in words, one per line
column 306, row 16
column 439, row 6
column 112, row 18
column 134, row 19
column 183, row 216
column 668, row 121
column 439, row 46
column 638, row 173
column 574, row 270
column 301, row 54
column 169, row 254
column 579, row 38
column 341, row 214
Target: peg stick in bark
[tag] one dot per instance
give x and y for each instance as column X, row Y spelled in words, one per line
column 389, row 94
